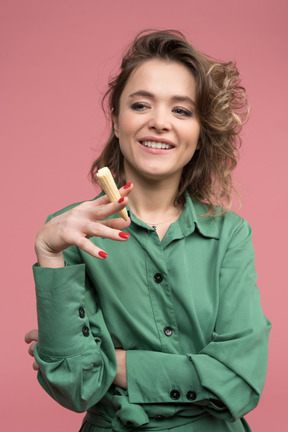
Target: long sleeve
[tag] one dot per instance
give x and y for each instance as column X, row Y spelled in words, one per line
column 226, row 377
column 75, row 352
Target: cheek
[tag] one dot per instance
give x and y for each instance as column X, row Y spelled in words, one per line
column 124, row 126
column 192, row 136
column 129, row 127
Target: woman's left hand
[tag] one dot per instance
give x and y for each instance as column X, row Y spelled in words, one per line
column 121, row 376
column 32, row 338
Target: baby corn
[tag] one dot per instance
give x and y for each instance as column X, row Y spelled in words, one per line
column 108, row 184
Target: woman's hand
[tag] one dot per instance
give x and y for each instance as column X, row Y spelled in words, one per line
column 77, row 225
column 31, row 338
column 121, row 376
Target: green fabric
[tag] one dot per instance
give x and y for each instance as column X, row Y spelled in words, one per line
column 208, row 298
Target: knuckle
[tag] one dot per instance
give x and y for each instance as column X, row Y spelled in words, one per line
column 96, row 229
column 81, row 242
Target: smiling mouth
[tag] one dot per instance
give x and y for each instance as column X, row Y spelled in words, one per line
column 156, row 145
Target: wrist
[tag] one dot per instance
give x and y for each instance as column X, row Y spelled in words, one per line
column 46, row 259
column 121, row 376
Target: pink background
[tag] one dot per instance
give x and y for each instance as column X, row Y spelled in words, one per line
column 55, row 59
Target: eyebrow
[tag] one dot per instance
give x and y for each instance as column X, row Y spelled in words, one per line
column 175, row 98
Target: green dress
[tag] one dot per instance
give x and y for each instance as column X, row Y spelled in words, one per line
column 187, row 311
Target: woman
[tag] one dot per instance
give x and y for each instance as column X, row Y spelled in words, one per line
column 156, row 323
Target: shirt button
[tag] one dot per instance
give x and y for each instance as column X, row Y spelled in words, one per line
column 168, row 331
column 158, row 278
column 175, row 394
column 85, row 331
column 81, row 312
column 191, row 395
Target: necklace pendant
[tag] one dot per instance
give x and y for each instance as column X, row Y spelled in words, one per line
column 154, row 227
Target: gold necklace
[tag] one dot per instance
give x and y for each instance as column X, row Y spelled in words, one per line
column 154, row 225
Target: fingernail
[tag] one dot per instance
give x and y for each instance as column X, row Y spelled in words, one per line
column 127, row 185
column 124, row 235
column 121, row 200
column 103, row 254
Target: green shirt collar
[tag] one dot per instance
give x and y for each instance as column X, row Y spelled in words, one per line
column 191, row 218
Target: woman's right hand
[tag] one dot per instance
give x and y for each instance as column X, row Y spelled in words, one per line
column 77, row 225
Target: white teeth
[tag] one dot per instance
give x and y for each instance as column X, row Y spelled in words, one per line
column 154, row 144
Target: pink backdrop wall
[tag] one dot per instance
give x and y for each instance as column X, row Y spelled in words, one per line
column 55, row 58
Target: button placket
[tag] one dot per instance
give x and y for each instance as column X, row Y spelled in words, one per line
column 162, row 299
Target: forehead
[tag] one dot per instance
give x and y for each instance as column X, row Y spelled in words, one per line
column 161, row 76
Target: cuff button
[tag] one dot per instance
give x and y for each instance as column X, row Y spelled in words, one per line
column 191, row 395
column 175, row 394
column 85, row 331
column 81, row 312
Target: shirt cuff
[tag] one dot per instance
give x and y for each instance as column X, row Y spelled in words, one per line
column 62, row 320
column 156, row 377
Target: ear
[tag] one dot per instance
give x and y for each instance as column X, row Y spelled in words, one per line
column 115, row 125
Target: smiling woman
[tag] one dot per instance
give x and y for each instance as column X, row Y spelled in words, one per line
column 219, row 103
column 159, row 326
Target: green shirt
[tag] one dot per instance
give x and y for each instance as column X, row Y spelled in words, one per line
column 186, row 309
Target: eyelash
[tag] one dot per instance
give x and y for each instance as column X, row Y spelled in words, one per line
column 184, row 112
column 140, row 106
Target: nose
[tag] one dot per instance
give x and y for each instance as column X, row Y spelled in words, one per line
column 159, row 120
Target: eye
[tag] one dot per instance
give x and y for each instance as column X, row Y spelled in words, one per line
column 183, row 112
column 139, row 106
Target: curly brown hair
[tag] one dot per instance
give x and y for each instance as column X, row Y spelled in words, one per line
column 221, row 106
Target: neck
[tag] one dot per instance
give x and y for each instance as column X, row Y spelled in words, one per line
column 153, row 201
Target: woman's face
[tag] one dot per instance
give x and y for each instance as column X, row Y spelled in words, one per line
column 157, row 125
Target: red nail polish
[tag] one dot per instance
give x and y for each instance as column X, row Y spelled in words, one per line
column 124, row 235
column 103, row 254
column 127, row 185
column 121, row 200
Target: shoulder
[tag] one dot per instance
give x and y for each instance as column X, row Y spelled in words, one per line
column 224, row 226
column 234, row 230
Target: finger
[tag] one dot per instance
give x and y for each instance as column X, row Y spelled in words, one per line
column 104, row 211
column 117, row 223
column 31, row 349
column 35, row 365
column 87, row 246
column 99, row 229
column 125, row 190
column 32, row 335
